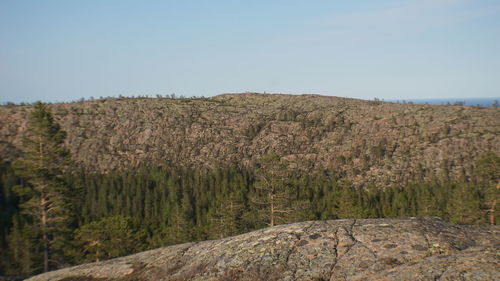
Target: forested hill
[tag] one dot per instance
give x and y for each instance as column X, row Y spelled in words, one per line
column 364, row 142
column 145, row 173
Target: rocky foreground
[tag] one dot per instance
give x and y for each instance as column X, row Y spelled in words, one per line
column 368, row 249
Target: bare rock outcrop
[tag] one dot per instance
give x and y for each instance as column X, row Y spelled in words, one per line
column 365, row 142
column 368, row 249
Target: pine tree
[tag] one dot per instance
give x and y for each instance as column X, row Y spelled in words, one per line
column 42, row 164
column 179, row 229
column 273, row 196
column 464, row 205
column 487, row 173
column 226, row 217
column 109, row 237
column 349, row 203
column 19, row 252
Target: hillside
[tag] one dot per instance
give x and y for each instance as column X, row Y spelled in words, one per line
column 374, row 249
column 364, row 142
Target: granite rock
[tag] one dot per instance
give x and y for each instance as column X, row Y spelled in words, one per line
column 350, row 249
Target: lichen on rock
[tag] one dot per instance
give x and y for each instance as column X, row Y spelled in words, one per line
column 363, row 249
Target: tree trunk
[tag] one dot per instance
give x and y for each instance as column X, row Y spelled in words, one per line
column 271, row 223
column 43, row 210
column 493, row 208
column 492, row 213
column 45, row 238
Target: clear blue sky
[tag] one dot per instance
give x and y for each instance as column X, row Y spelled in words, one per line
column 390, row 49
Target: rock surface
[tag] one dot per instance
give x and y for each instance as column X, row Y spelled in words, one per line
column 365, row 142
column 368, row 249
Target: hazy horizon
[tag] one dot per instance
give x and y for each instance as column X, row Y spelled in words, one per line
column 469, row 101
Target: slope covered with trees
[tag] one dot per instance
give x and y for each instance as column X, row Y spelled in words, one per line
column 366, row 142
column 241, row 163
column 156, row 206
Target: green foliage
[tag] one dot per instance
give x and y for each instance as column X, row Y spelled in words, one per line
column 464, row 205
column 44, row 156
column 350, row 203
column 152, row 207
column 43, row 198
column 273, row 198
column 108, row 237
column 226, row 218
column 487, row 177
column 488, row 168
column 20, row 249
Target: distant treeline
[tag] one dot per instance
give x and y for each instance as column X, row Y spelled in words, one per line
column 479, row 102
column 129, row 211
column 145, row 96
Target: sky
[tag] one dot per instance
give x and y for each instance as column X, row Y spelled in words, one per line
column 387, row 49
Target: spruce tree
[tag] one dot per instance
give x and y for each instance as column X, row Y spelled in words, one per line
column 44, row 196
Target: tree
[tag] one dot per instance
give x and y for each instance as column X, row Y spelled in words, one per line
column 42, row 164
column 487, row 176
column 179, row 229
column 20, row 260
column 274, row 191
column 349, row 203
column 109, row 237
column 226, row 217
column 464, row 204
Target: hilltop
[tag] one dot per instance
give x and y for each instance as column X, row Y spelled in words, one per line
column 364, row 142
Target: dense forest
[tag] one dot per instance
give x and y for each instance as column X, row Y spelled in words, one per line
column 55, row 212
column 131, row 211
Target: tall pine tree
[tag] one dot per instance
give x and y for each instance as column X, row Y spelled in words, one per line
column 274, row 191
column 43, row 197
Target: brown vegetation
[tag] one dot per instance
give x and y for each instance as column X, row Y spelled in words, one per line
column 366, row 142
